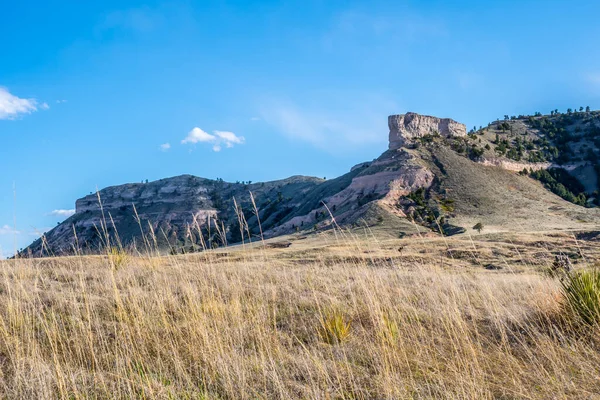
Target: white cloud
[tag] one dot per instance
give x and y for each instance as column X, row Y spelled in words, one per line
column 45, row 106
column 62, row 213
column 197, row 135
column 229, row 138
column 218, row 139
column 12, row 106
column 255, row 119
column 60, row 101
column 8, row 230
column 165, row 146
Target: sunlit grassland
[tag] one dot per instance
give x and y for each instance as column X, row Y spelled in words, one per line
column 332, row 317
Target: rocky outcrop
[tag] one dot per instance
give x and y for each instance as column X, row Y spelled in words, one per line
column 405, row 128
column 515, row 166
column 381, row 182
column 185, row 193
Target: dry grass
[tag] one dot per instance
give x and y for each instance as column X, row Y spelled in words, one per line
column 249, row 324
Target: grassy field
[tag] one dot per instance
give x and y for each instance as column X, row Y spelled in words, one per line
column 335, row 316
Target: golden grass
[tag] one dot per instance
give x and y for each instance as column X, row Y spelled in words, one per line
column 248, row 324
column 117, row 257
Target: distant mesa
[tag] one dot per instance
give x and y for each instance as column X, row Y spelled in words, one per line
column 407, row 127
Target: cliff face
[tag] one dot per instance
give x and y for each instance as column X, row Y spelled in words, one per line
column 163, row 193
column 172, row 213
column 433, row 175
column 407, row 127
column 514, row 166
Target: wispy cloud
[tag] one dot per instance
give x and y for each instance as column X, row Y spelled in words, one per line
column 8, row 230
column 593, row 78
column 62, row 213
column 591, row 82
column 138, row 20
column 12, row 106
column 361, row 28
column 469, row 80
column 337, row 129
column 165, row 146
column 218, row 138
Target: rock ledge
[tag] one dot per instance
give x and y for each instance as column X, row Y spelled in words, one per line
column 410, row 126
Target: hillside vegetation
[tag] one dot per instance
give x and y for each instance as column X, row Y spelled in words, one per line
column 336, row 315
column 569, row 142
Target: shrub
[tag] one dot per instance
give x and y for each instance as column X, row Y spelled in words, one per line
column 390, row 331
column 475, row 152
column 581, row 294
column 447, row 205
column 563, row 184
column 418, row 196
column 117, row 257
column 335, row 327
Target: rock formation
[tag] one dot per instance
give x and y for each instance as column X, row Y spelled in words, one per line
column 445, row 184
column 405, row 128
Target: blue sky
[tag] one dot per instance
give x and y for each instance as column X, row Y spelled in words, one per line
column 102, row 93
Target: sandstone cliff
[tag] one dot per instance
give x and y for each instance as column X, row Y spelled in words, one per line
column 407, row 127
